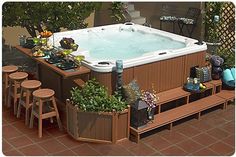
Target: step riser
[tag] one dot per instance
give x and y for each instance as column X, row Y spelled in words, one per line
column 134, row 14
column 130, row 7
column 140, row 20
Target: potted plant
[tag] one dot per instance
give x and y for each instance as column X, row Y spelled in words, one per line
column 94, row 115
column 212, row 21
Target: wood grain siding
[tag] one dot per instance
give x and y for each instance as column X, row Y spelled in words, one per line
column 128, row 75
column 105, row 79
column 88, row 126
column 164, row 75
column 50, row 79
column 195, row 59
column 101, row 127
column 122, row 125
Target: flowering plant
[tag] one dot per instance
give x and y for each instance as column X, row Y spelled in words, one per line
column 150, row 98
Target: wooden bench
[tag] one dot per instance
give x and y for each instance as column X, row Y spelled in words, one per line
column 228, row 95
column 170, row 116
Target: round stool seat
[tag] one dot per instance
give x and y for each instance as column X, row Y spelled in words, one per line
column 18, row 75
column 9, row 68
column 31, row 84
column 43, row 93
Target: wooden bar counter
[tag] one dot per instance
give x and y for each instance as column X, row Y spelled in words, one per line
column 59, row 80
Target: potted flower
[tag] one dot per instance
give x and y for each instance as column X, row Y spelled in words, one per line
column 94, row 115
column 212, row 21
column 151, row 99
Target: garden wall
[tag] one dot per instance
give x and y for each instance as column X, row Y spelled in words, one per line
column 152, row 11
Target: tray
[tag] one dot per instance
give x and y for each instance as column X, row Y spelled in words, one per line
column 67, row 65
column 54, row 60
column 193, row 91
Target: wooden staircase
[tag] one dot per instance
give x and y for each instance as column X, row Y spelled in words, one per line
column 216, row 97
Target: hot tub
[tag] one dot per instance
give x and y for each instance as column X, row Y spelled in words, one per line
column 149, row 55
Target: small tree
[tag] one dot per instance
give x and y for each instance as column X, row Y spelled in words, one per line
column 54, row 15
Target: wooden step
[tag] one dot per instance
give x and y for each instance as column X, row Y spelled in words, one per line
column 170, row 95
column 217, row 85
column 228, row 95
column 170, row 116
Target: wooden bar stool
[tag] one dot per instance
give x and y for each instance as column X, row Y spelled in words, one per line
column 42, row 110
column 15, row 81
column 27, row 87
column 7, row 70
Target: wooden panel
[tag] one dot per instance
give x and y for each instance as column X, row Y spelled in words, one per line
column 163, row 75
column 68, row 83
column 122, row 126
column 51, row 80
column 128, row 75
column 196, row 59
column 105, row 79
column 141, row 74
column 89, row 128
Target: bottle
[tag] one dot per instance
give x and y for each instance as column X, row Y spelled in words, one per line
column 22, row 40
column 196, row 83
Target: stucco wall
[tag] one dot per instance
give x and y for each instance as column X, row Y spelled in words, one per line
column 152, row 11
column 10, row 34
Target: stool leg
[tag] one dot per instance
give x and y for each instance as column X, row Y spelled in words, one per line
column 15, row 98
column 40, row 120
column 19, row 105
column 32, row 114
column 27, row 107
column 58, row 117
column 9, row 95
column 5, row 88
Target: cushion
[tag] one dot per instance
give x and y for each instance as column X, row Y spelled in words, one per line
column 168, row 18
column 204, row 74
column 186, row 20
column 131, row 92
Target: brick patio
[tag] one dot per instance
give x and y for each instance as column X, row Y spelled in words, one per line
column 214, row 134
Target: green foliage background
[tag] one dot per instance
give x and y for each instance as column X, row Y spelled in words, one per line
column 93, row 97
column 54, row 15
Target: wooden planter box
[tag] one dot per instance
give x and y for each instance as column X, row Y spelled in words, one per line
column 104, row 127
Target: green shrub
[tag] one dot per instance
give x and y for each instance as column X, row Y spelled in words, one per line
column 93, row 97
column 228, row 56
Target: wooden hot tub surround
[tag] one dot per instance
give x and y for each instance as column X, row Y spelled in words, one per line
column 164, row 75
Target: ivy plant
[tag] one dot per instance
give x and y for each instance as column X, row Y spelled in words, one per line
column 212, row 9
column 54, row 15
column 94, row 97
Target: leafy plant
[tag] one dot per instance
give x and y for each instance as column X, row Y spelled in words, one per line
column 229, row 58
column 54, row 15
column 93, row 97
column 118, row 11
column 212, row 9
